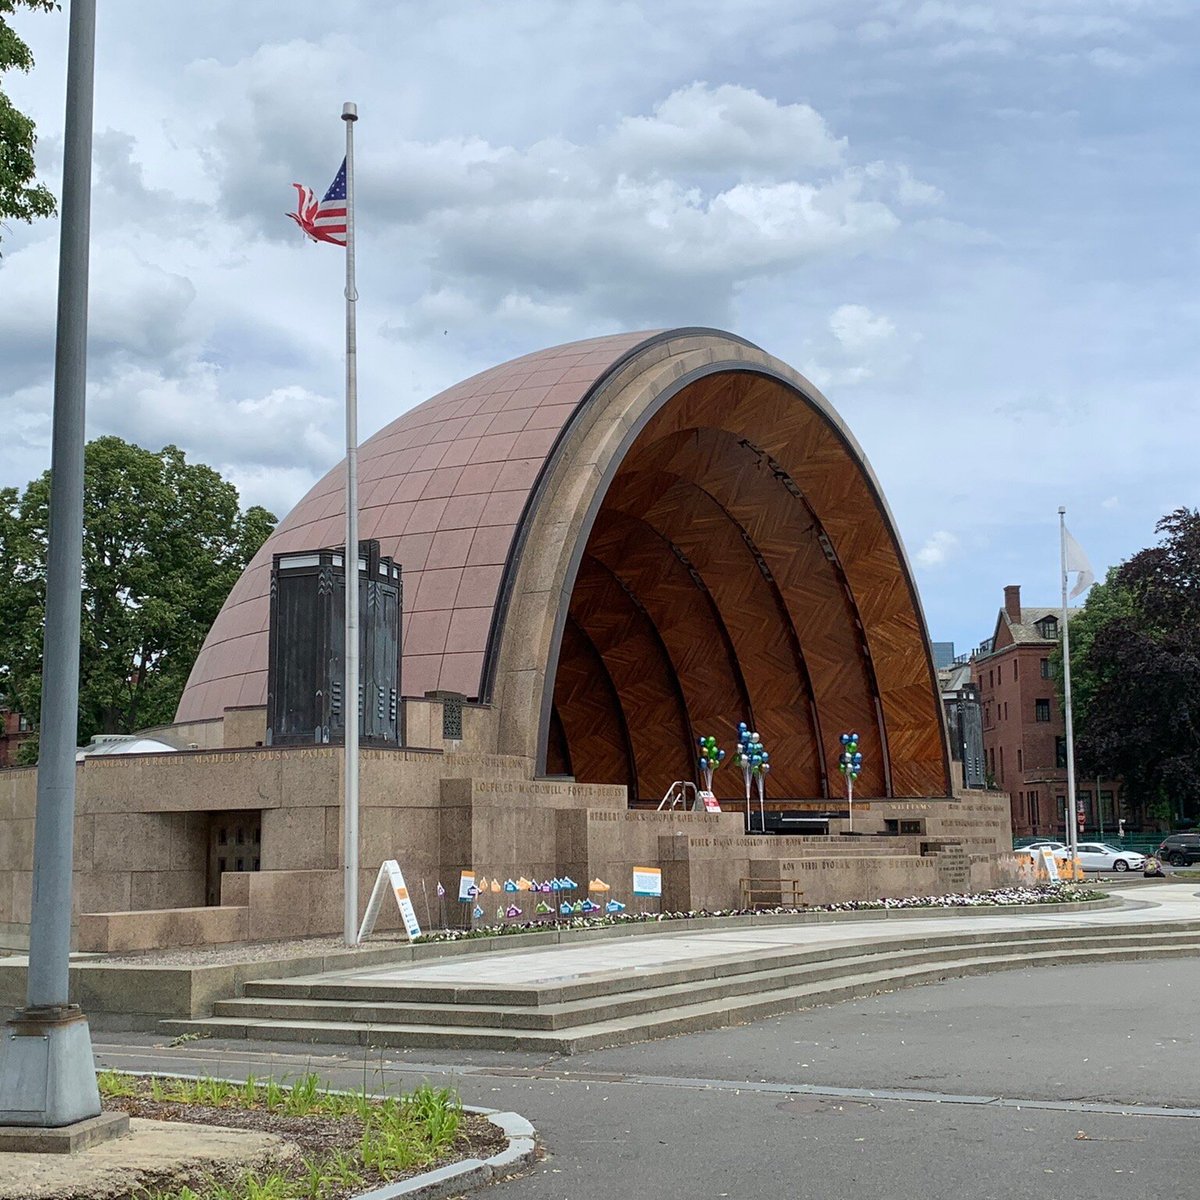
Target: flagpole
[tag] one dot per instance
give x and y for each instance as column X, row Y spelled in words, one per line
column 1072, row 835
column 350, row 815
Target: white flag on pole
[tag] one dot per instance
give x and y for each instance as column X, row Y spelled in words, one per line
column 1076, row 560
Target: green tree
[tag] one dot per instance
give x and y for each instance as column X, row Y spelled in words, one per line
column 1106, row 601
column 164, row 542
column 1135, row 674
column 21, row 198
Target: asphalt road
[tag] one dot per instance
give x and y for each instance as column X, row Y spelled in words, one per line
column 1018, row 1086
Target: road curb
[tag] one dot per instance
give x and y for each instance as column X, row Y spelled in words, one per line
column 471, row 1172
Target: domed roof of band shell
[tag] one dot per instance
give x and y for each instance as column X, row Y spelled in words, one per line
column 442, row 488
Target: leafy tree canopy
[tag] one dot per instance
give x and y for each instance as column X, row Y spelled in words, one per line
column 164, row 542
column 21, row 198
column 1135, row 674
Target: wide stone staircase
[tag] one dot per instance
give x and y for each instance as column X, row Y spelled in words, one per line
column 585, row 1010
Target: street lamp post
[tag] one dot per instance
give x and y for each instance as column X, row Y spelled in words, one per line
column 47, row 1072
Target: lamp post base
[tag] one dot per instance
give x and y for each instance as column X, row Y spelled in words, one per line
column 47, row 1071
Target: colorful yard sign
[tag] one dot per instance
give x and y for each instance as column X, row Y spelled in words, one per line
column 647, row 881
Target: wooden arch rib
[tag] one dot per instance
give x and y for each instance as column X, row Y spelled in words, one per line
column 753, row 614
column 816, row 601
column 832, row 479
column 590, row 710
column 684, row 613
column 642, row 673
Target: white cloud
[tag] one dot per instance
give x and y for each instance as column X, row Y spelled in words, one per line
column 663, row 218
column 723, row 130
column 858, row 329
column 938, row 549
column 862, row 345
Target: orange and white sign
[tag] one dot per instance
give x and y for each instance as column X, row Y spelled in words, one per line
column 391, row 878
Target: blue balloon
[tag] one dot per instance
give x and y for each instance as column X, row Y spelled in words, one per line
column 704, row 764
column 765, row 755
column 720, row 754
column 858, row 758
column 854, row 737
column 743, row 725
column 845, row 738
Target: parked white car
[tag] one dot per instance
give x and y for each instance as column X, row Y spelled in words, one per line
column 1034, row 849
column 1096, row 856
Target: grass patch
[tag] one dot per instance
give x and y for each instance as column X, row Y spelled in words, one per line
column 349, row 1142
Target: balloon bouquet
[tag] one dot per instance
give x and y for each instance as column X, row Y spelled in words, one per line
column 755, row 763
column 850, row 764
column 710, row 759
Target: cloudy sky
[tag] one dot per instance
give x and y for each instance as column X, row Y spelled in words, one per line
column 972, row 224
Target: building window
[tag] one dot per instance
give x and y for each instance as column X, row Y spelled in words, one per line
column 1041, row 710
column 1014, row 668
column 1020, row 759
column 1045, row 665
column 1062, row 807
column 991, row 681
column 1060, row 753
column 1033, row 808
column 1047, row 628
column 1001, row 764
column 24, row 724
column 1006, row 710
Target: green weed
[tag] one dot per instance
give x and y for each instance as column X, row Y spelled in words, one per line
column 303, row 1096
column 113, row 1083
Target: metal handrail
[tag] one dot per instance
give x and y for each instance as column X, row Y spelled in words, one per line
column 677, row 795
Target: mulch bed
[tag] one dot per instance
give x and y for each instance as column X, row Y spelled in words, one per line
column 315, row 1135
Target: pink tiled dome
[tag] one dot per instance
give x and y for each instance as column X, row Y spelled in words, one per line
column 442, row 488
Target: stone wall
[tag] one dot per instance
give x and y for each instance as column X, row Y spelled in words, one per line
column 142, row 829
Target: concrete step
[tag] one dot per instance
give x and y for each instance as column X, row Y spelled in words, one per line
column 683, row 1016
column 646, row 993
column 348, row 990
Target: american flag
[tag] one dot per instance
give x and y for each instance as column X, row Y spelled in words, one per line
column 326, row 221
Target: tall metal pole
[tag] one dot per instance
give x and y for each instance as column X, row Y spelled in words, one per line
column 353, row 706
column 1072, row 834
column 47, row 1072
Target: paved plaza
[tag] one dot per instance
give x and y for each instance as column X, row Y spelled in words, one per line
column 1050, row 1084
column 541, row 967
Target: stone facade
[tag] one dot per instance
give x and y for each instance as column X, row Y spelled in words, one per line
column 143, row 830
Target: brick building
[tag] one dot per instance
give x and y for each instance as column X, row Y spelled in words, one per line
column 1024, row 730
column 14, row 729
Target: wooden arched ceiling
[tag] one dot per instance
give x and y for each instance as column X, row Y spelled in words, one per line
column 740, row 567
